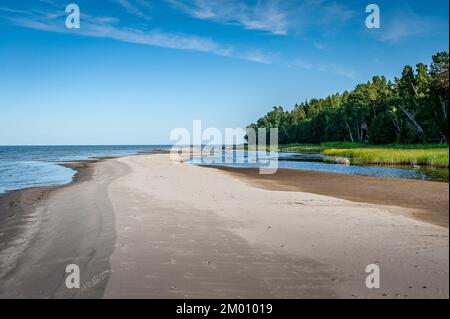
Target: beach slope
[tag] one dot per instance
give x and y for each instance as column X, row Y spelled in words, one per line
column 147, row 227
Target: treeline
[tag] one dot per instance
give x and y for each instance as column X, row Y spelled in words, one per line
column 411, row 109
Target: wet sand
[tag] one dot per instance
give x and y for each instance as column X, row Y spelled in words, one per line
column 425, row 200
column 146, row 227
column 48, row 228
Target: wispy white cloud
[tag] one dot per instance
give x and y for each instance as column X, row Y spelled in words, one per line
column 335, row 14
column 318, row 45
column 273, row 16
column 267, row 16
column 37, row 25
column 108, row 27
column 322, row 67
column 113, row 28
column 407, row 24
column 337, row 69
column 301, row 64
column 257, row 56
column 100, row 29
column 15, row 11
column 137, row 8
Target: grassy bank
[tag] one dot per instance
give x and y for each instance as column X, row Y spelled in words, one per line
column 432, row 155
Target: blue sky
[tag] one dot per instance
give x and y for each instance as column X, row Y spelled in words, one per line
column 137, row 69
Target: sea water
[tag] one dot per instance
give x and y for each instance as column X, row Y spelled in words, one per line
column 32, row 166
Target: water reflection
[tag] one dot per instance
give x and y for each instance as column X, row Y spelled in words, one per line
column 317, row 162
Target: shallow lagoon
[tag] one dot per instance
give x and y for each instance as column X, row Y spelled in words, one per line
column 319, row 162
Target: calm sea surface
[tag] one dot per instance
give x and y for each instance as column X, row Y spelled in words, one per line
column 33, row 166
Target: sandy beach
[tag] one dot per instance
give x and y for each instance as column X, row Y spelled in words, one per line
column 424, row 200
column 147, row 227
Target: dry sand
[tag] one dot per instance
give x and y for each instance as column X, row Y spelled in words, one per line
column 426, row 200
column 146, row 227
column 189, row 231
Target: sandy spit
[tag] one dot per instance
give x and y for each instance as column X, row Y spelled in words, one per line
column 185, row 231
column 147, row 227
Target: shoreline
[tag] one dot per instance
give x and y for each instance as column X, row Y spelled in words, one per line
column 13, row 200
column 23, row 211
column 21, row 217
column 124, row 216
column 18, row 206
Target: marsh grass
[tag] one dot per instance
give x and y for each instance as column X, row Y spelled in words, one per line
column 431, row 155
column 301, row 148
column 434, row 157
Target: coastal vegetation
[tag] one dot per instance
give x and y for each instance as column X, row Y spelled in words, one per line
column 432, row 155
column 404, row 121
